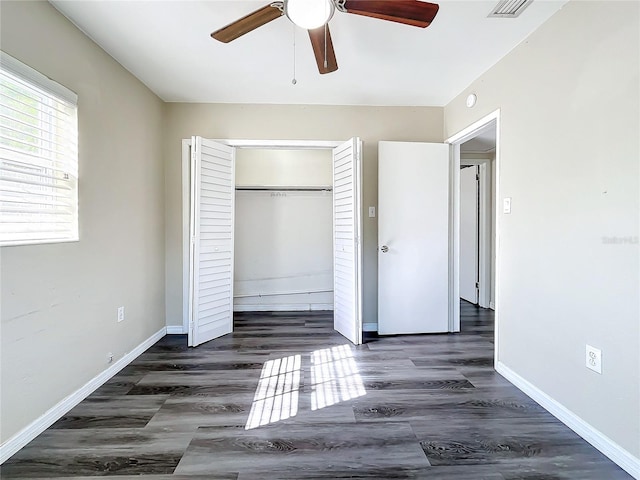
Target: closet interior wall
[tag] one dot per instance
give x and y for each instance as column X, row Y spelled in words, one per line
column 283, row 230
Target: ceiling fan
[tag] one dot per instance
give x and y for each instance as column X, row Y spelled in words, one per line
column 314, row 15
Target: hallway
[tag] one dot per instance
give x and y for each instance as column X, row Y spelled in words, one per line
column 285, row 396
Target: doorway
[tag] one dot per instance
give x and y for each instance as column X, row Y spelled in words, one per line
column 209, row 187
column 430, row 278
column 469, row 233
column 477, row 218
column 478, row 146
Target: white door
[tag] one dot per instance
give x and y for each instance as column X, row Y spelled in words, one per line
column 469, row 234
column 347, row 234
column 211, row 250
column 413, row 236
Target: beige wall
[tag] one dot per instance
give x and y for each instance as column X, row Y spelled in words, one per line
column 290, row 122
column 569, row 158
column 278, row 167
column 59, row 301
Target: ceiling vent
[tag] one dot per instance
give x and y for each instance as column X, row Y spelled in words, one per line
column 509, row 8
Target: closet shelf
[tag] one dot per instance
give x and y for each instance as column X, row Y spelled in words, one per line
column 284, row 188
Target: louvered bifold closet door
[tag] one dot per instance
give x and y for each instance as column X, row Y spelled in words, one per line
column 211, row 253
column 347, row 244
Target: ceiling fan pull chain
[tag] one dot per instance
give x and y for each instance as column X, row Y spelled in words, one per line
column 294, row 81
column 325, row 46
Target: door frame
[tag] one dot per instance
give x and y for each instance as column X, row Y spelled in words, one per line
column 478, row 241
column 454, row 260
column 484, row 229
column 186, row 199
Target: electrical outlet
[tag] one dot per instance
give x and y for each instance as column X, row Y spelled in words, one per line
column 120, row 314
column 593, row 359
column 109, row 357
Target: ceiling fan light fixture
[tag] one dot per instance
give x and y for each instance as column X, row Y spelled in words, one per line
column 309, row 14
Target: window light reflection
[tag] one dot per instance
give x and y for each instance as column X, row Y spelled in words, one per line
column 334, row 377
column 276, row 396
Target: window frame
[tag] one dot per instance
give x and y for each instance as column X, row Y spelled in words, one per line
column 55, row 166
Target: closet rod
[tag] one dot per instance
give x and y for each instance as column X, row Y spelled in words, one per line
column 320, row 188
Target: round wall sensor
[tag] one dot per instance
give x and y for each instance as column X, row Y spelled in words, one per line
column 471, row 100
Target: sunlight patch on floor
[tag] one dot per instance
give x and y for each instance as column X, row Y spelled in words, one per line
column 276, row 396
column 334, row 377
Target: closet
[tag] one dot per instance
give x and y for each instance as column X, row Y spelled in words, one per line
column 295, row 220
column 283, row 230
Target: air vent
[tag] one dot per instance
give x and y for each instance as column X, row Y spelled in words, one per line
column 509, row 8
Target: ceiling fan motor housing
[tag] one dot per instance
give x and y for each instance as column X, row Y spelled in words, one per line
column 309, row 14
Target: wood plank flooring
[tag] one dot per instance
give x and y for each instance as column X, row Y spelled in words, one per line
column 286, row 397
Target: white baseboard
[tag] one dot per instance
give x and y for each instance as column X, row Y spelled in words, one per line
column 369, row 327
column 35, row 428
column 492, row 305
column 175, row 330
column 623, row 458
column 291, row 307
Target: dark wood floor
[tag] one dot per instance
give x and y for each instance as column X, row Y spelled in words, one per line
column 287, row 397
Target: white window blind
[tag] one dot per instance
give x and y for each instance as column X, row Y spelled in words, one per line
column 38, row 157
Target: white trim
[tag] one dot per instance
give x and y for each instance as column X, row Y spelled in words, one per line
column 359, row 228
column 186, row 222
column 175, row 330
column 492, row 305
column 484, row 235
column 369, row 327
column 35, row 428
column 454, row 236
column 191, row 234
column 497, row 220
column 281, row 144
column 283, row 307
column 623, row 458
column 472, row 130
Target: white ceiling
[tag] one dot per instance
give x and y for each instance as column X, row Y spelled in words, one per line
column 167, row 45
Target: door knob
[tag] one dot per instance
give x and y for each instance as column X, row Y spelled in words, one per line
column 384, row 249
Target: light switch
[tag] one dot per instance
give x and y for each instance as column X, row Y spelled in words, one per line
column 506, row 205
column 372, row 212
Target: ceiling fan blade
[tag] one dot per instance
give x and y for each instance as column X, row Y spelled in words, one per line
column 247, row 23
column 408, row 12
column 325, row 55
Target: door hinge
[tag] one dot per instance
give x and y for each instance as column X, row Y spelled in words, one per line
column 477, row 177
column 477, row 284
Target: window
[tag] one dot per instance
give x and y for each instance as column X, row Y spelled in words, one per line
column 38, row 157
